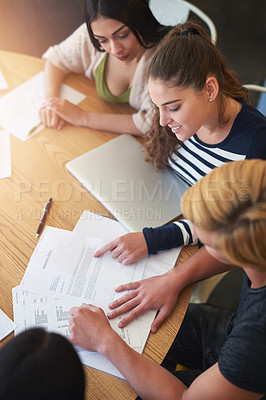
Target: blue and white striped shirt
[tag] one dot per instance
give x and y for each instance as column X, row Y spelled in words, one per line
column 195, row 159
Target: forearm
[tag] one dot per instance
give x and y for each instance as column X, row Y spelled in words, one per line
column 169, row 236
column 118, row 123
column 90, row 330
column 53, row 79
column 148, row 379
column 200, row 265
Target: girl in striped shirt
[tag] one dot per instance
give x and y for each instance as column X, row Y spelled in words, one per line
column 205, row 121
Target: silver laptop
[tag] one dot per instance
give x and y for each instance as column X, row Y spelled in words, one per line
column 131, row 189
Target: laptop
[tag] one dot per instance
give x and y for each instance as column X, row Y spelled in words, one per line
column 130, row 188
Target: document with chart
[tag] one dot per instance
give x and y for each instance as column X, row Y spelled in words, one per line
column 63, row 273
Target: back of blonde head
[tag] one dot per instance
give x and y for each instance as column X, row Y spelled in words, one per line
column 232, row 200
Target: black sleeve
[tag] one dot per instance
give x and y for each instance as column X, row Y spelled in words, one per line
column 169, row 236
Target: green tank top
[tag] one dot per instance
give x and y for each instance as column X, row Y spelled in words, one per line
column 102, row 88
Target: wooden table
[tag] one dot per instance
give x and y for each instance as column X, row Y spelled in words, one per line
column 39, row 172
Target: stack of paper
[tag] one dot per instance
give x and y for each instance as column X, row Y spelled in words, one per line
column 62, row 273
column 19, row 109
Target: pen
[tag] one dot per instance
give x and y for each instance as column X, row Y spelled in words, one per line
column 43, row 217
column 34, row 128
column 104, row 215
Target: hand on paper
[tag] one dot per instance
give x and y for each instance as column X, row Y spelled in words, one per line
column 89, row 327
column 50, row 118
column 127, row 249
column 67, row 111
column 157, row 293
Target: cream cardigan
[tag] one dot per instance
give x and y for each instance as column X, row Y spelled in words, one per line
column 77, row 54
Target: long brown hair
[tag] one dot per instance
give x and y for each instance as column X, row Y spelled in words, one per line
column 186, row 58
column 135, row 14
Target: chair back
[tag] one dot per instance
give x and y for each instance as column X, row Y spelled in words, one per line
column 261, row 105
column 172, row 12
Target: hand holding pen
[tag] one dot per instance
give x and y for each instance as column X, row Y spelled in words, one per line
column 43, row 217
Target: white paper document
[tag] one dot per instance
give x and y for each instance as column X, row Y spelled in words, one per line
column 63, row 265
column 32, row 310
column 62, row 273
column 6, row 325
column 109, row 229
column 19, row 109
column 3, row 82
column 5, row 154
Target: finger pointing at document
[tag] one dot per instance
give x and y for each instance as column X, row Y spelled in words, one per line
column 127, row 249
